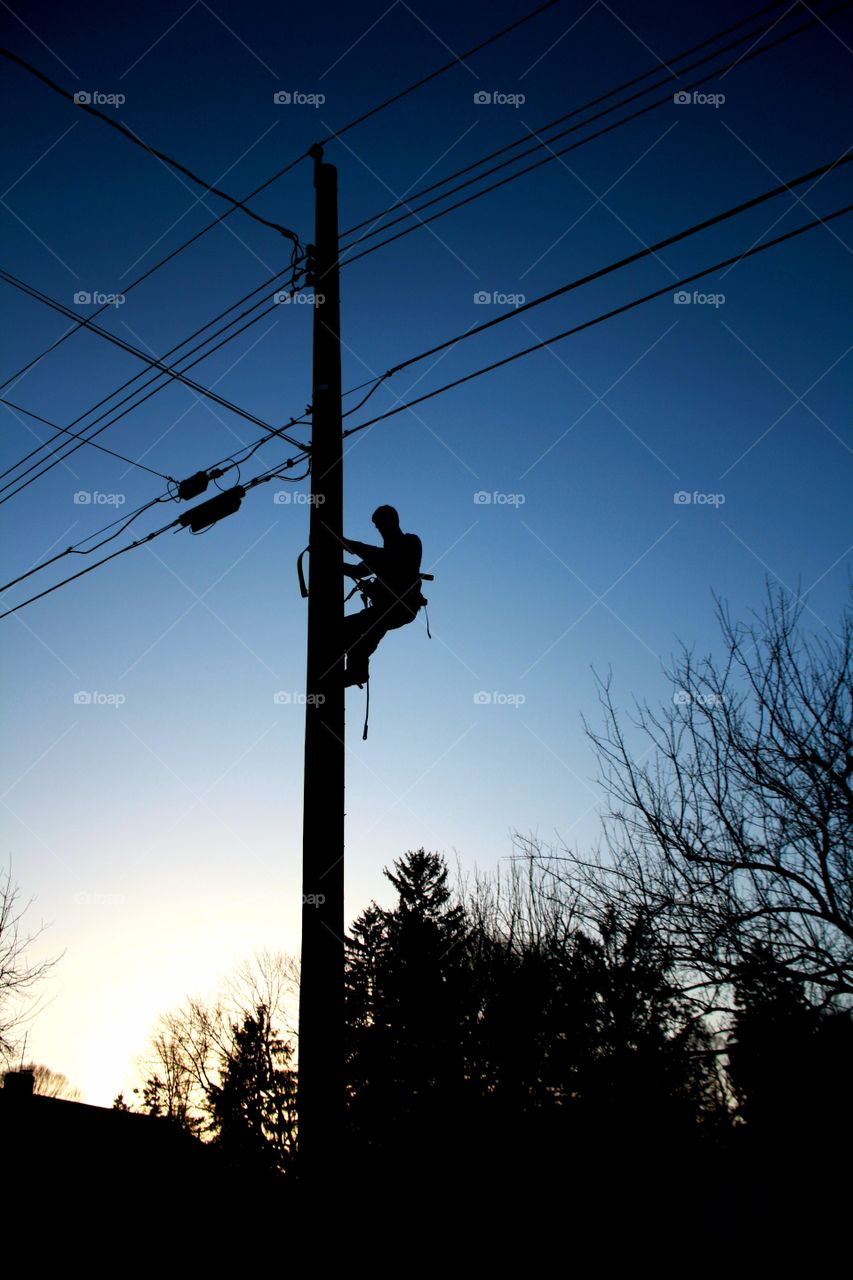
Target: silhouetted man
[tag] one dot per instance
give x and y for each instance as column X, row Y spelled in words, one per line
column 394, row 592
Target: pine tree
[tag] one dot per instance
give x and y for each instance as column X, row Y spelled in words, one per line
column 408, row 1007
column 253, row 1105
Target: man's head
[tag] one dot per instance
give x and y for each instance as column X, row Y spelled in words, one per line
column 387, row 521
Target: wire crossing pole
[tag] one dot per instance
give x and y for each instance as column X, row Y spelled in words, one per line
column 321, row 1001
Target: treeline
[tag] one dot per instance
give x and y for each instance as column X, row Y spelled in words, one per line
column 496, row 1042
column 656, row 1032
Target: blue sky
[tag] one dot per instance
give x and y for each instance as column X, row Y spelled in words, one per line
column 158, row 826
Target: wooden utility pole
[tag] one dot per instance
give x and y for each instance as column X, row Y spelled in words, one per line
column 321, row 1000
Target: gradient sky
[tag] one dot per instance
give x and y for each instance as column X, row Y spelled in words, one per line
column 160, row 836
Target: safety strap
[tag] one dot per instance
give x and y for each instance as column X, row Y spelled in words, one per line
column 303, row 590
column 366, row 708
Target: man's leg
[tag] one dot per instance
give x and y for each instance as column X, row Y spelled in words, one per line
column 362, row 633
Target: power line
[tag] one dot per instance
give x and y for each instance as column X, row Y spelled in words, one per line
column 646, row 252
column 152, row 361
column 19, row 408
column 607, row 315
column 554, row 155
column 281, row 173
column 273, row 473
column 132, row 137
column 213, row 473
column 454, row 62
column 91, row 568
column 269, row 281
column 594, row 102
column 335, row 134
column 649, row 250
column 79, row 324
column 155, row 379
column 124, row 521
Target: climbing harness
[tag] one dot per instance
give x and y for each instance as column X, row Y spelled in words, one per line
column 363, row 585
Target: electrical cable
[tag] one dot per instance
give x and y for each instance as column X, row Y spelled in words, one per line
column 258, row 289
column 123, row 345
column 287, row 169
column 272, row 474
column 275, row 472
column 132, row 137
column 48, row 466
column 594, row 102
column 575, row 145
column 607, row 315
column 19, row 408
column 646, row 252
column 214, row 472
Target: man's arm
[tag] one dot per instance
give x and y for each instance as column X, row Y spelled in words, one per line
column 372, row 557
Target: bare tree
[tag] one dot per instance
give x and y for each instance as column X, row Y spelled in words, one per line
column 734, row 828
column 51, row 1084
column 19, row 977
column 191, row 1046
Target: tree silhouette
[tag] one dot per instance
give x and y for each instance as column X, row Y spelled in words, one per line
column 19, row 976
column 407, row 1001
column 51, row 1084
column 253, row 1107
column 737, row 834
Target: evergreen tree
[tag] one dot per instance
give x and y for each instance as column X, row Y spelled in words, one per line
column 408, row 1008
column 253, row 1105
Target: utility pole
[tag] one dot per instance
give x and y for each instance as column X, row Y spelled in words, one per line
column 321, row 999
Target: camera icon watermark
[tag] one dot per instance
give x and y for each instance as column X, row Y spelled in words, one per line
column 485, row 498
column 286, row 698
column 285, row 497
column 687, row 98
column 496, row 698
column 684, row 697
column 304, row 299
column 84, row 898
column 684, row 297
column 494, row 298
column 94, row 97
column 94, row 497
column 495, row 98
column 85, row 298
column 682, row 498
column 94, row 698
column 296, row 98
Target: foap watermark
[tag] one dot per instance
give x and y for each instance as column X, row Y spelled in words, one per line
column 299, row 299
column 284, row 698
column 695, row 98
column 686, row 297
column 484, row 498
column 684, row 697
column 494, row 298
column 94, row 498
column 496, row 98
column 285, row 497
column 95, row 698
column 313, row 899
column 95, row 98
column 497, row 699
column 86, row 297
column 86, row 898
column 296, row 98
column 682, row 498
